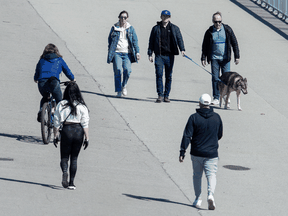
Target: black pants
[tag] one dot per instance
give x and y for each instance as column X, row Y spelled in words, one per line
column 71, row 141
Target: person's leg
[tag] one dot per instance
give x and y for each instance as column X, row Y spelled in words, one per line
column 159, row 64
column 117, row 67
column 78, row 136
column 225, row 66
column 56, row 90
column 126, row 69
column 43, row 91
column 197, row 174
column 169, row 62
column 215, row 69
column 210, row 167
column 65, row 151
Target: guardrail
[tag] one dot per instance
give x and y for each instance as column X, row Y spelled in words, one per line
column 279, row 8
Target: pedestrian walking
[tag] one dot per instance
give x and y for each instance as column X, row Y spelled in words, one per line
column 216, row 49
column 164, row 41
column 72, row 114
column 123, row 50
column 203, row 129
column 47, row 72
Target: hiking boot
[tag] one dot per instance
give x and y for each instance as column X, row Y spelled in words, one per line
column 167, row 100
column 159, row 99
column 64, row 180
column 124, row 91
column 211, row 203
column 197, row 203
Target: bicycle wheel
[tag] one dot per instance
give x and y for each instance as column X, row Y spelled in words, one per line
column 46, row 125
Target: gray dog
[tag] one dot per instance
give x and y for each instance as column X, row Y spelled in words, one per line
column 233, row 82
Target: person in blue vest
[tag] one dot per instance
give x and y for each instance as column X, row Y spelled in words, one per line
column 216, row 49
column 164, row 41
column 47, row 72
column 123, row 50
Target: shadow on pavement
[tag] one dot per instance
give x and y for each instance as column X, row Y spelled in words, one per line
column 155, row 199
column 24, row 138
column 33, row 183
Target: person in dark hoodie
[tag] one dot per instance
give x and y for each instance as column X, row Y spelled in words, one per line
column 47, row 72
column 165, row 38
column 203, row 129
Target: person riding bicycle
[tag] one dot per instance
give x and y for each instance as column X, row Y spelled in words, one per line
column 48, row 68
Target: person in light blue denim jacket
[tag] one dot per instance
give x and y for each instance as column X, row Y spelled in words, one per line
column 123, row 50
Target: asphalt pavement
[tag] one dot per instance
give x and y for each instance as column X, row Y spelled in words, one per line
column 131, row 166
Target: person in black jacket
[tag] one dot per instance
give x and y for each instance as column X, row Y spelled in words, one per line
column 216, row 49
column 165, row 38
column 203, row 129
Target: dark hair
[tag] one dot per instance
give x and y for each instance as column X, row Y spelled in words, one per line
column 72, row 94
column 50, row 48
column 122, row 13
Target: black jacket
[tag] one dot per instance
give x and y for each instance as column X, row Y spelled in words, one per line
column 203, row 129
column 231, row 40
column 155, row 40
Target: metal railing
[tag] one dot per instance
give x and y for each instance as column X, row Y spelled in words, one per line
column 278, row 8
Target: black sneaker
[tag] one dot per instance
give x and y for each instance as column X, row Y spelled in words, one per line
column 64, row 180
column 72, row 186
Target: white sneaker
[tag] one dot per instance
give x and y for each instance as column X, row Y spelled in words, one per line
column 215, row 102
column 124, row 91
column 211, row 203
column 119, row 94
column 197, row 203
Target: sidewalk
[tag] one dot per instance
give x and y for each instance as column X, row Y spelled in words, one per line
column 131, row 166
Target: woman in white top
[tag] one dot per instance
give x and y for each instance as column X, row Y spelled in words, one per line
column 123, row 50
column 72, row 112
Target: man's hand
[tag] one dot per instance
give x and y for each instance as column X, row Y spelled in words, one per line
column 181, row 159
column 183, row 53
column 237, row 61
column 55, row 141
column 36, row 81
column 204, row 63
column 150, row 58
column 85, row 144
column 138, row 56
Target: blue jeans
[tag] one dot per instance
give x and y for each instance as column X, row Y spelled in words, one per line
column 121, row 60
column 160, row 63
column 216, row 65
column 45, row 88
column 209, row 165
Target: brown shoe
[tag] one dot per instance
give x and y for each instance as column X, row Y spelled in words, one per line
column 159, row 99
column 167, row 100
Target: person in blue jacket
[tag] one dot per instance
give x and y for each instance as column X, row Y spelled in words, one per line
column 48, row 69
column 123, row 50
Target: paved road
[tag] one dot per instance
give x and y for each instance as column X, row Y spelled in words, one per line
column 131, row 167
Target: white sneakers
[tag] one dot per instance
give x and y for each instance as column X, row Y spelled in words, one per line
column 197, row 203
column 211, row 203
column 124, row 91
column 215, row 102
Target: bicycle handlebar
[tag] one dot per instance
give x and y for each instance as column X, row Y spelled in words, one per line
column 67, row 82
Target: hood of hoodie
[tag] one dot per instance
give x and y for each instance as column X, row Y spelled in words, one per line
column 204, row 112
column 49, row 57
column 118, row 28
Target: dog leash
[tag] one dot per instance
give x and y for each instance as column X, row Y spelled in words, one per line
column 204, row 69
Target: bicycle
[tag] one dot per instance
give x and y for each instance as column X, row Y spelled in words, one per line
column 47, row 116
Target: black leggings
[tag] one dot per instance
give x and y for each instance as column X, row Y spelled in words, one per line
column 71, row 141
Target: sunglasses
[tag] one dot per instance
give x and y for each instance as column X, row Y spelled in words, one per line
column 219, row 22
column 123, row 17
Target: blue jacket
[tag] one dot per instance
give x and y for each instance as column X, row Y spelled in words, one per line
column 51, row 65
column 203, row 130
column 155, row 40
column 113, row 39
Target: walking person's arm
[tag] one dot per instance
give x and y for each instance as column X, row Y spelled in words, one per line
column 186, row 139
